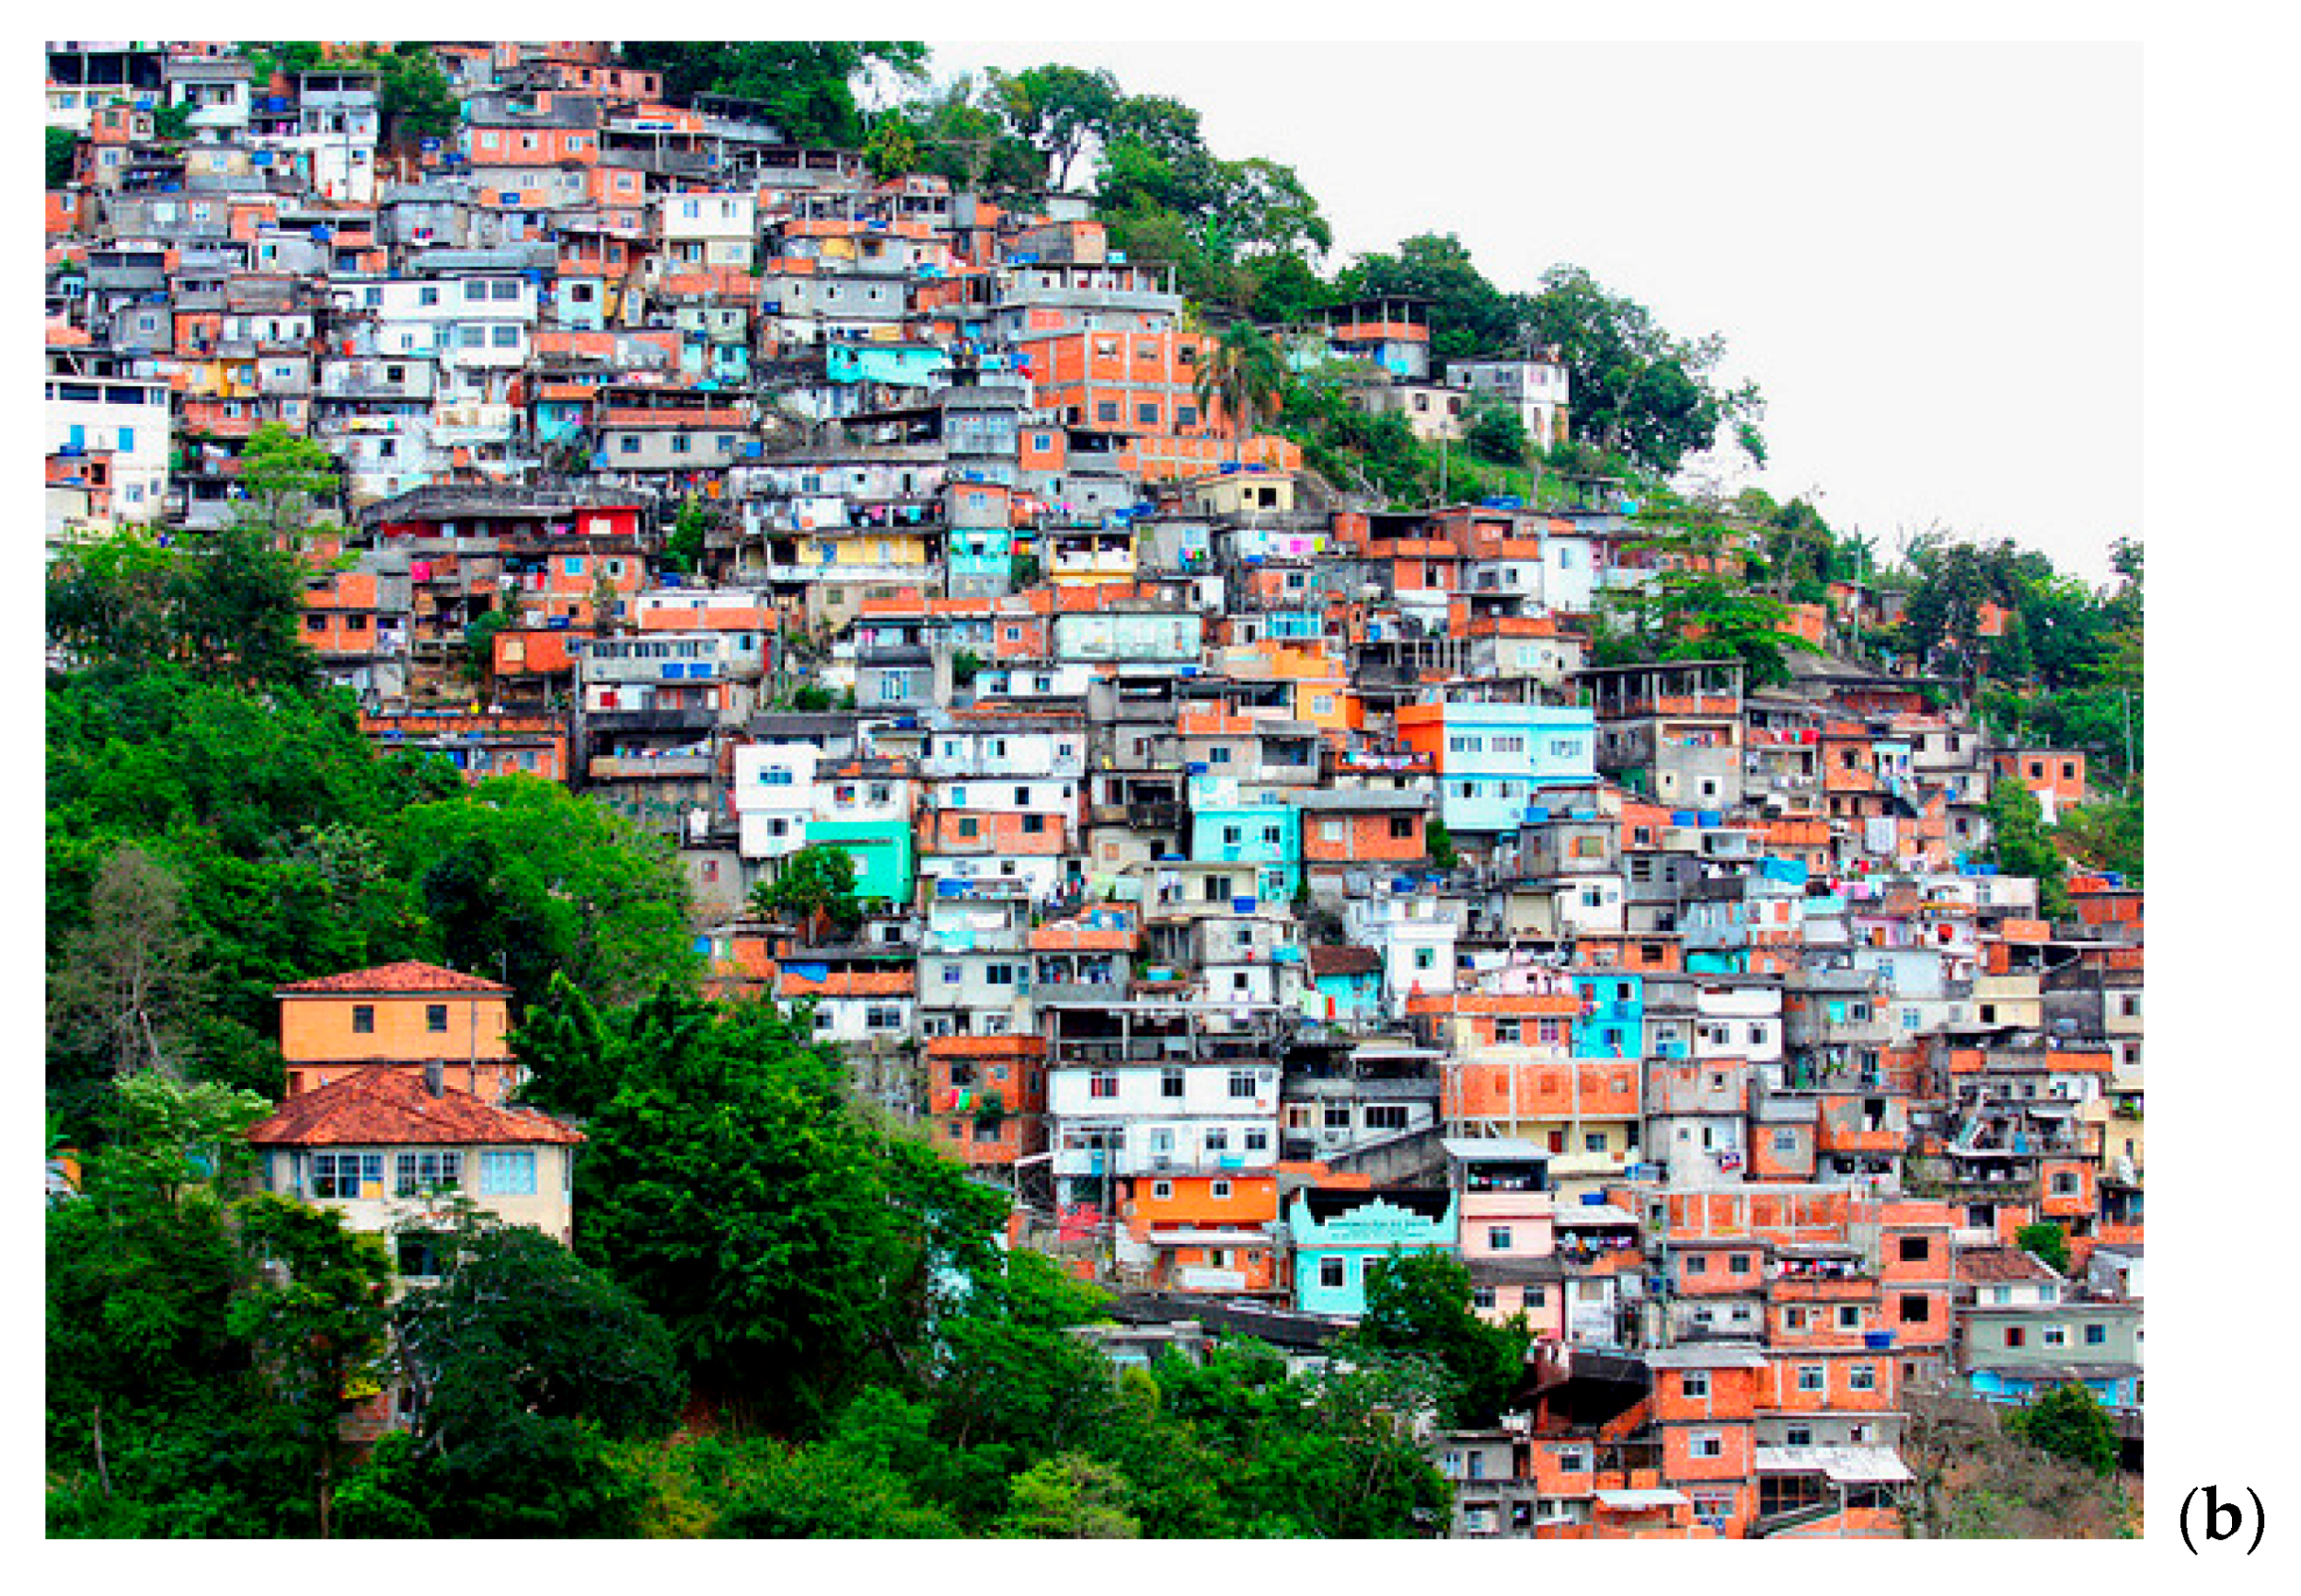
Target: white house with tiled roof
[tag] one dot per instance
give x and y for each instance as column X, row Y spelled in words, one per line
column 386, row 1147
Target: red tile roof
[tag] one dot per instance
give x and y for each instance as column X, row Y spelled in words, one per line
column 385, row 1107
column 2000, row 1264
column 406, row 975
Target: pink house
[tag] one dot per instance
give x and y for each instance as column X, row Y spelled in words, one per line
column 1508, row 1242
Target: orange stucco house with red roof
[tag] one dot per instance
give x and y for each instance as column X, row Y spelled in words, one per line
column 407, row 1014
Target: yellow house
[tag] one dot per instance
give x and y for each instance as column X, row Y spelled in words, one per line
column 406, row 1014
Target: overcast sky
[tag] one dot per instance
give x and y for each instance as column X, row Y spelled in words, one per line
column 1928, row 256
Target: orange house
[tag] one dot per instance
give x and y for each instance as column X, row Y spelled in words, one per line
column 2057, row 775
column 1387, row 835
column 1206, row 1232
column 407, row 1014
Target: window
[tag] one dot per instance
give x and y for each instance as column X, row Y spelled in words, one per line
column 1848, row 1316
column 507, row 1172
column 2097, row 1334
column 1573, row 1460
column 1798, row 1435
column 417, row 1172
column 1218, row 1139
column 1386, row 1117
column 1694, row 1382
column 1696, row 1264
column 1242, row 1083
column 1912, row 1309
column 1332, row 1273
column 1103, row 1083
column 1218, row 1190
column 1170, row 1082
column 435, row 1017
column 363, row 1018
column 345, row 1174
column 1593, row 1141
column 1862, row 1377
column 2054, row 1335
column 1497, row 1238
column 1912, row 1249
column 1739, row 1263
column 1161, row 1190
column 2016, row 1336
column 1708, row 1444
column 1481, row 1297
column 1811, row 1377
column 1337, row 1117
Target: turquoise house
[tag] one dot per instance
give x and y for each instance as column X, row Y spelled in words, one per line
column 981, row 561
column 1265, row 835
column 886, row 860
column 1346, row 986
column 1338, row 1233
column 1612, row 1024
column 898, row 365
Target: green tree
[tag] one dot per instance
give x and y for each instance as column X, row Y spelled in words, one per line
column 1468, row 315
column 172, row 123
column 414, row 97
column 808, row 86
column 1640, row 391
column 1242, row 374
column 222, row 604
column 2070, row 1422
column 315, row 1316
column 1497, row 432
column 2047, row 1241
column 526, row 1359
column 825, row 1493
column 63, row 150
column 285, row 480
column 1440, row 841
column 1417, row 1306
column 127, row 989
column 1069, row 1497
column 815, row 887
column 1333, row 1457
column 796, row 1249
column 1060, row 109
column 2106, row 836
column 2020, row 844
column 961, row 136
column 519, row 876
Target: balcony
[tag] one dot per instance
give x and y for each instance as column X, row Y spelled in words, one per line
column 611, row 720
column 667, row 767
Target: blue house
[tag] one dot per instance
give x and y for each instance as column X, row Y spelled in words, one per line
column 1346, row 986
column 1266, row 835
column 1338, row 1233
column 1612, row 1024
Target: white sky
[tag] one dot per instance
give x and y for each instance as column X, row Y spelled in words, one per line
column 1928, row 257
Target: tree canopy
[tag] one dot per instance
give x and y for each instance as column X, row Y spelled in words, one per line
column 808, row 84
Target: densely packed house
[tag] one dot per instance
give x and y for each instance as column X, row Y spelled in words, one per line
column 1255, row 879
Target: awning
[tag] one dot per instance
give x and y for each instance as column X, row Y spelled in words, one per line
column 1209, row 1238
column 1591, row 1213
column 1845, row 1465
column 1634, row 1499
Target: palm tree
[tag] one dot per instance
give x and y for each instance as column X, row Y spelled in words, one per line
column 1245, row 373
